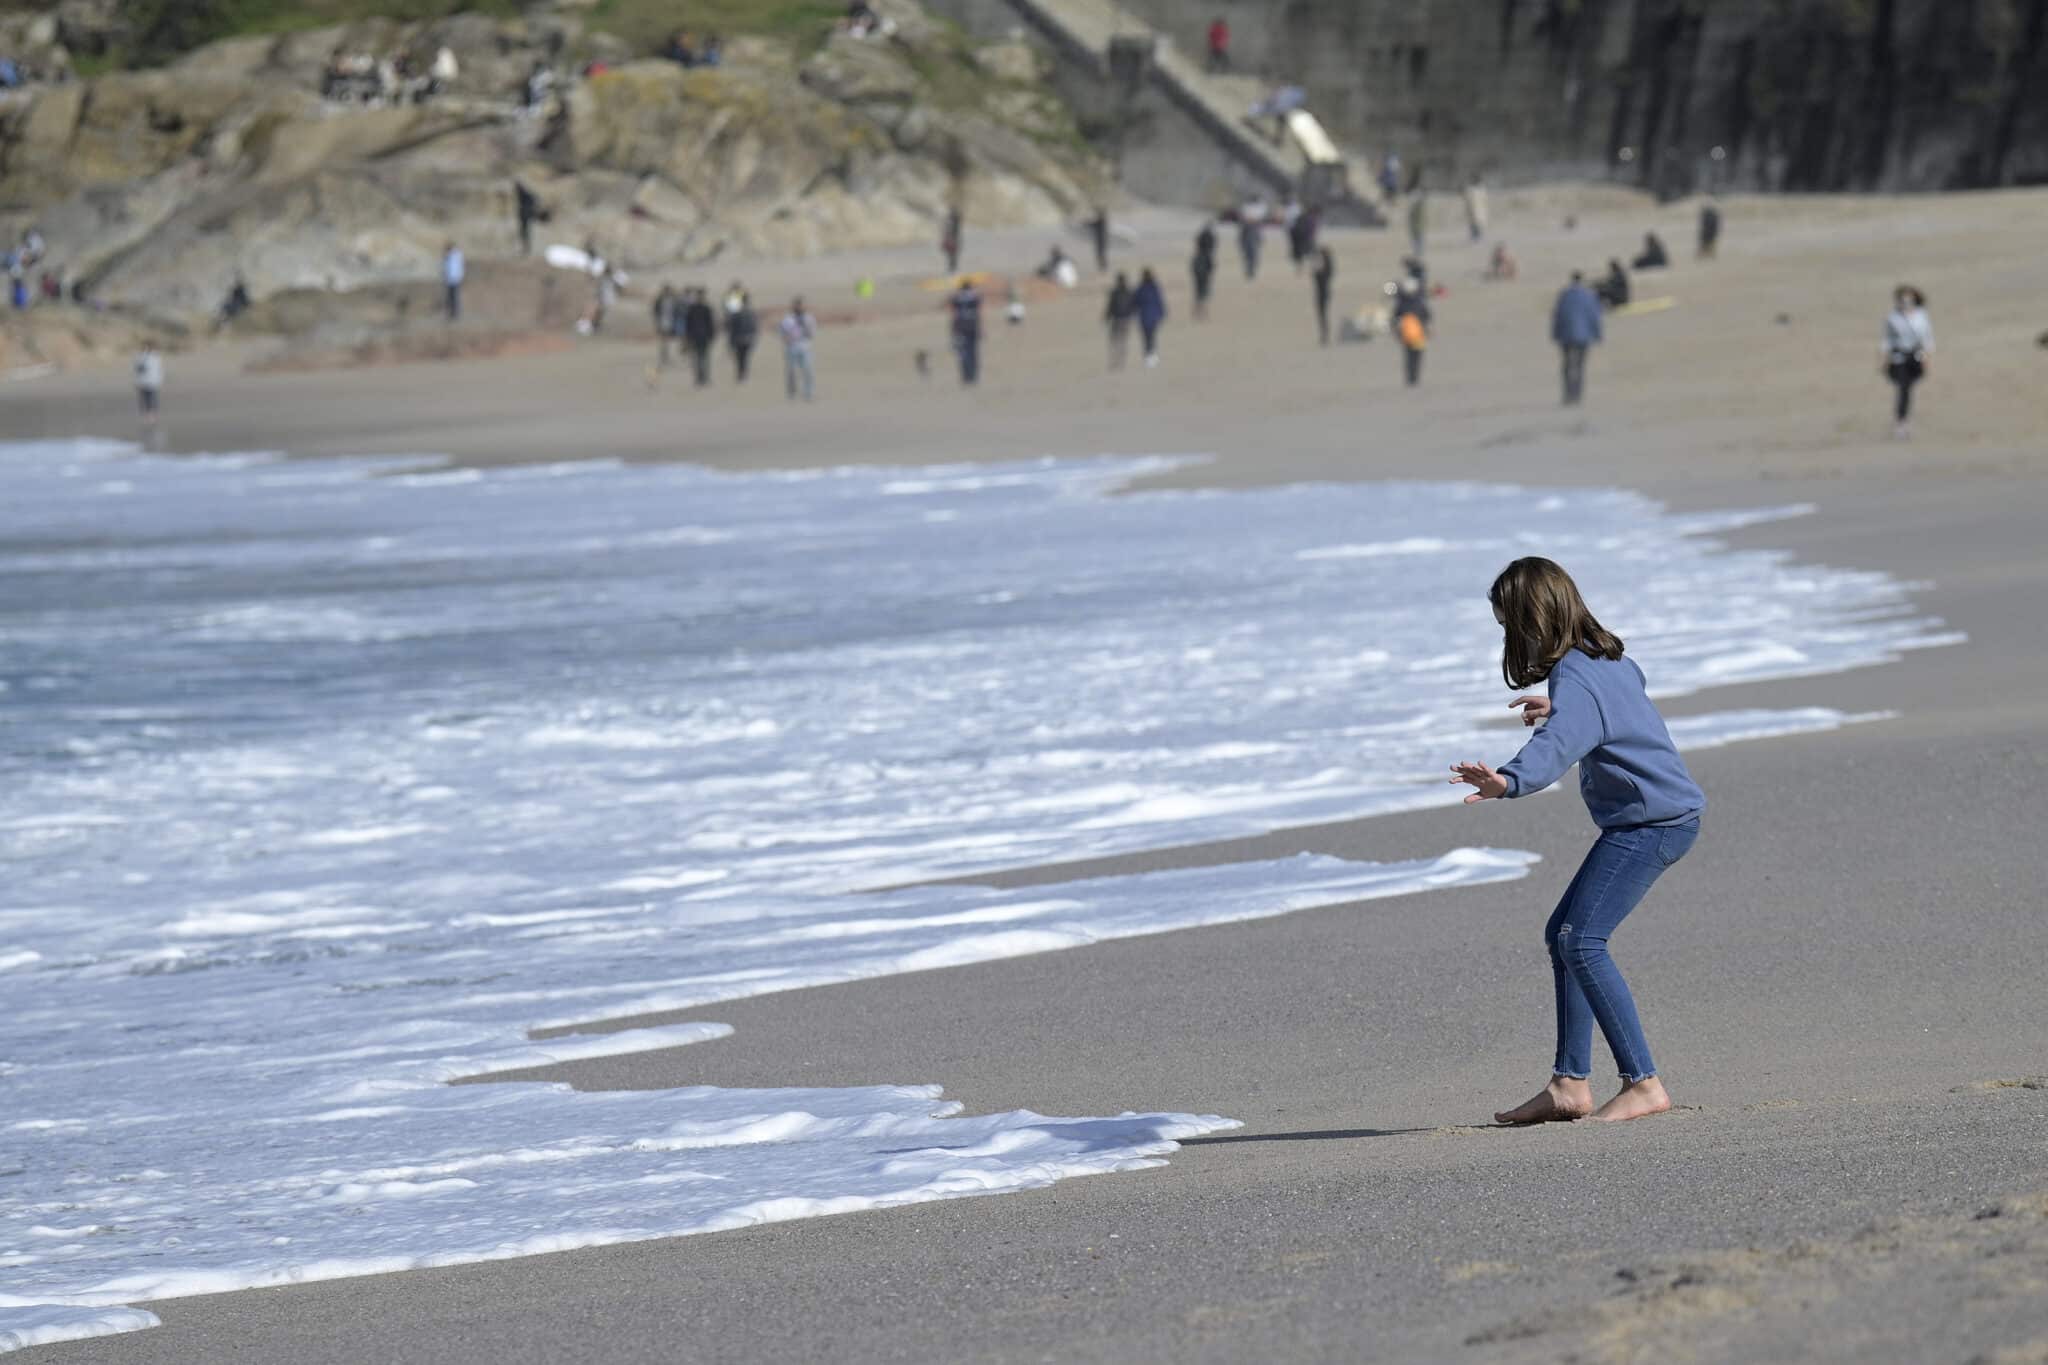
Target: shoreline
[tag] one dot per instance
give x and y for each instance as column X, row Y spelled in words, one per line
column 1838, row 980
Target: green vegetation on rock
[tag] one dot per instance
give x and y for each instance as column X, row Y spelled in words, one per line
column 164, row 29
column 648, row 24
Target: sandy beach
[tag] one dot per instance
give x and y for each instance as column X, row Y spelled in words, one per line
column 1845, row 981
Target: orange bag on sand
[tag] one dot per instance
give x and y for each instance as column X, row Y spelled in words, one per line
column 1409, row 329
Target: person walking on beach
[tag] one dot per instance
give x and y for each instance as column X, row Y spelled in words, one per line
column 453, row 270
column 1596, row 713
column 664, row 313
column 1574, row 326
column 1098, row 233
column 700, row 333
column 965, row 305
column 1118, row 315
column 1411, row 321
column 149, row 381
column 1475, row 207
column 742, row 330
column 1710, row 229
column 1202, row 268
column 1249, row 239
column 797, row 330
column 1301, row 237
column 1418, row 221
column 1325, row 274
column 1908, row 341
column 949, row 241
column 1150, row 302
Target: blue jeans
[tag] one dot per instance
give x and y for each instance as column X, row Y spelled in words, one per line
column 1609, row 884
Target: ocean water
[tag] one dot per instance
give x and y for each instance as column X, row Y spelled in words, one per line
column 330, row 782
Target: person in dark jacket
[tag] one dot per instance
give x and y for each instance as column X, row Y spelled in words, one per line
column 1202, row 268
column 1575, row 326
column 1249, row 240
column 1301, row 239
column 1654, row 256
column 1710, row 229
column 1118, row 315
column 742, row 330
column 1150, row 301
column 1411, row 302
column 965, row 306
column 700, row 331
column 1325, row 274
column 1614, row 289
column 1098, row 233
column 526, row 204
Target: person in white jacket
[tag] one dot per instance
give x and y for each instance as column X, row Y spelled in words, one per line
column 149, row 381
column 1908, row 342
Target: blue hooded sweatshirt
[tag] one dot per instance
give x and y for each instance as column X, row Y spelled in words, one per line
column 1601, row 718
column 1575, row 321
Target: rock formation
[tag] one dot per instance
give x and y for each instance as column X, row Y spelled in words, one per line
column 156, row 189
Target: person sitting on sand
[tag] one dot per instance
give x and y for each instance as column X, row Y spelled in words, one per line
column 1059, row 268
column 1654, row 256
column 1597, row 714
column 1613, row 289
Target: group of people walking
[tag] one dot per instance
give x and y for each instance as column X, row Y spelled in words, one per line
column 688, row 318
column 1145, row 305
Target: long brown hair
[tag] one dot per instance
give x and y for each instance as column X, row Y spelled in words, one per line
column 1545, row 619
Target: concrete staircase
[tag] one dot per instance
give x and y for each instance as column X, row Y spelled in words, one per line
column 1084, row 31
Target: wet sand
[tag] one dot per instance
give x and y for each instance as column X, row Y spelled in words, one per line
column 1843, row 982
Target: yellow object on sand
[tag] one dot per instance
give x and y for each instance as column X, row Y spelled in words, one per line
column 1656, row 305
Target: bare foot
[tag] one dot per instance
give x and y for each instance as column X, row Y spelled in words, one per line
column 1563, row 1100
column 1636, row 1101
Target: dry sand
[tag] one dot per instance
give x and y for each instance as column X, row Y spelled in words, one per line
column 1845, row 981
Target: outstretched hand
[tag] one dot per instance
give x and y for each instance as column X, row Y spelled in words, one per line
column 1490, row 784
column 1534, row 708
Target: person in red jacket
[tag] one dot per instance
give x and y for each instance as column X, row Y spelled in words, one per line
column 1219, row 44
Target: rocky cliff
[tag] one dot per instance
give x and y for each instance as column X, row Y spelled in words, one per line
column 156, row 189
column 1796, row 94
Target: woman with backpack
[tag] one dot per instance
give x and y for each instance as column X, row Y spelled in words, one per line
column 1411, row 328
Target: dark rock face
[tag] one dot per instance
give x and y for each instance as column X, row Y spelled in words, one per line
column 1796, row 94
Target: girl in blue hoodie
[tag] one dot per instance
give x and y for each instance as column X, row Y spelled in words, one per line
column 1597, row 714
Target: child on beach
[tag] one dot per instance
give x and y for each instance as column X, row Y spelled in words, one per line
column 1598, row 715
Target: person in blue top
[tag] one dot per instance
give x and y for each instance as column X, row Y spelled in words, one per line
column 1574, row 326
column 1150, row 303
column 1597, row 714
